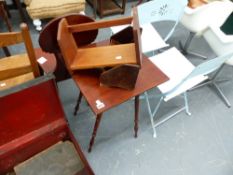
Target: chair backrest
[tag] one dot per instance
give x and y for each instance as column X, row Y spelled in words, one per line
column 12, row 38
column 209, row 66
column 206, row 68
column 161, row 10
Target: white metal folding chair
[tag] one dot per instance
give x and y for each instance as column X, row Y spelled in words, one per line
column 156, row 11
column 183, row 76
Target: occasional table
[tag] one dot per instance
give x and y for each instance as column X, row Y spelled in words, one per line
column 102, row 98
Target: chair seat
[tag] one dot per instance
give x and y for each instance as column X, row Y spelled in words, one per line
column 166, row 61
column 39, row 9
column 105, row 56
column 14, row 61
column 151, row 40
column 8, row 83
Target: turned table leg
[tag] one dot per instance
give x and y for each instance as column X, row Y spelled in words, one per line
column 78, row 103
column 136, row 116
column 97, row 122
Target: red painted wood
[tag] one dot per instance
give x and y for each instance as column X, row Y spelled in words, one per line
column 31, row 120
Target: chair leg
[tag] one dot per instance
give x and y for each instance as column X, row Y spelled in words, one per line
column 219, row 91
column 78, row 103
column 186, row 104
column 136, row 105
column 152, row 114
column 97, row 122
column 184, row 49
column 212, row 81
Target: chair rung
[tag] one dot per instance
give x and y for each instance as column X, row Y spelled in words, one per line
column 168, row 117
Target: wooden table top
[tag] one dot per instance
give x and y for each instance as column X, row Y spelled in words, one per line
column 50, row 65
column 88, row 82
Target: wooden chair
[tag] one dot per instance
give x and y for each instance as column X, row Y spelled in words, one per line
column 19, row 68
column 4, row 16
column 48, row 40
column 120, row 61
column 33, row 124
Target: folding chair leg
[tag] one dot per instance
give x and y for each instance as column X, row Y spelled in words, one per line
column 186, row 104
column 221, row 95
column 212, row 81
column 152, row 114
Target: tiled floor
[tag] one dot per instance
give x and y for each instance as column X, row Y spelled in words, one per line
column 201, row 144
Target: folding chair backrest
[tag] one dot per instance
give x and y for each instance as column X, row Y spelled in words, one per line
column 12, row 38
column 209, row 66
column 161, row 10
column 204, row 69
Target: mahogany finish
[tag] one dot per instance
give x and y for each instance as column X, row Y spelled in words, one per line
column 28, row 128
column 48, row 40
column 50, row 65
column 89, row 84
column 113, row 59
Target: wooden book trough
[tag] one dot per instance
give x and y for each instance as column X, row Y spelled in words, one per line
column 120, row 61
